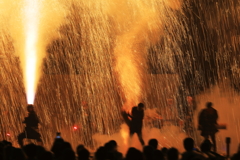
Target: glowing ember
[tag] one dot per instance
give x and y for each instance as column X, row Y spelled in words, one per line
column 75, row 127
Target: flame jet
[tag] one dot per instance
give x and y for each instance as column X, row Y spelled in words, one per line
column 136, row 30
column 31, row 29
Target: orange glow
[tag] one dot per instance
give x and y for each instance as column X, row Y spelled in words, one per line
column 124, row 135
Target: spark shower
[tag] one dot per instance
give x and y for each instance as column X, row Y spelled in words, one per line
column 81, row 62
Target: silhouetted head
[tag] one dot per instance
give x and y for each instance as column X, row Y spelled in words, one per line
column 140, row 106
column 30, row 108
column 153, row 143
column 236, row 156
column 188, row 144
column 164, row 151
column 206, row 146
column 209, row 104
column 101, row 153
column 114, row 144
column 172, row 154
column 108, row 146
column 83, row 154
column 134, row 154
column 57, row 147
column 6, row 143
column 80, row 147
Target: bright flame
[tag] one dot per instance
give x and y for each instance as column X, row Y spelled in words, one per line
column 31, row 14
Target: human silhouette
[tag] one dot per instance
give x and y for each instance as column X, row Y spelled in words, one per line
column 191, row 152
column 112, row 152
column 31, row 129
column 172, row 154
column 134, row 154
column 83, row 153
column 153, row 143
column 158, row 155
column 208, row 123
column 206, row 149
column 148, row 152
column 31, row 151
column 137, row 122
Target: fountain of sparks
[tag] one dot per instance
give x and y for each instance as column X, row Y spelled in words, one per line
column 113, row 54
column 31, row 14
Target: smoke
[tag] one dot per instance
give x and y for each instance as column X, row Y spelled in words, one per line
column 136, row 25
column 226, row 101
column 168, row 136
column 32, row 25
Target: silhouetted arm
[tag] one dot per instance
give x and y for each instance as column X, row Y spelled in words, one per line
column 130, row 115
column 200, row 118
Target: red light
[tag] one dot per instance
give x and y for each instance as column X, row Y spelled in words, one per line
column 75, row 127
column 8, row 134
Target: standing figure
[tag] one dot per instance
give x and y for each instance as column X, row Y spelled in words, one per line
column 137, row 122
column 208, row 123
column 31, row 127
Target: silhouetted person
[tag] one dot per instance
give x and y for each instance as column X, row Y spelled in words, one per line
column 46, row 156
column 68, row 154
column 148, row 152
column 153, row 143
column 31, row 129
column 208, row 123
column 172, row 154
column 79, row 147
column 190, row 152
column 113, row 153
column 101, row 153
column 206, row 149
column 58, row 146
column 31, row 151
column 236, row 156
column 134, row 154
column 83, row 153
column 164, row 151
column 18, row 154
column 137, row 122
column 158, row 155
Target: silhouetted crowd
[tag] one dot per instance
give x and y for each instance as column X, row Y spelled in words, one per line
column 62, row 150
